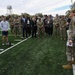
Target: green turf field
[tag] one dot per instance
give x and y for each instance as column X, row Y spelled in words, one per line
column 35, row 57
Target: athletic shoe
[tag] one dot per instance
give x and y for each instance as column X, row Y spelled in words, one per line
column 2, row 44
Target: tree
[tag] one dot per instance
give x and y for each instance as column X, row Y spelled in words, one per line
column 68, row 13
column 73, row 6
column 39, row 14
column 26, row 14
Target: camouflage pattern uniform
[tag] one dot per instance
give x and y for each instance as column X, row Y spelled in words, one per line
column 71, row 36
column 40, row 26
column 70, row 52
column 63, row 31
column 11, row 25
column 16, row 27
column 56, row 26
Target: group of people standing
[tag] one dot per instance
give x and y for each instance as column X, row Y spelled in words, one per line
column 27, row 26
column 36, row 26
column 49, row 25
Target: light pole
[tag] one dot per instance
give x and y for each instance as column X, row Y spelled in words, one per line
column 9, row 9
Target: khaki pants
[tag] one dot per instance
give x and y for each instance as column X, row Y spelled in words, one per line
column 56, row 30
column 63, row 32
column 40, row 32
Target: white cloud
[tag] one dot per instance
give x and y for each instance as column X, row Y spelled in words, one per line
column 34, row 6
column 3, row 11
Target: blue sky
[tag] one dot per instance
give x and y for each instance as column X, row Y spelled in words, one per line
column 62, row 8
column 36, row 6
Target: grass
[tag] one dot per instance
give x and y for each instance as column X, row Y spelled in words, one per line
column 35, row 57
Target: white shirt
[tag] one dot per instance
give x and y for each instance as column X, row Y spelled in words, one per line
column 28, row 22
column 4, row 25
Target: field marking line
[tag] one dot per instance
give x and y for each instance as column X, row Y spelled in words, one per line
column 1, row 49
column 14, row 45
column 18, row 40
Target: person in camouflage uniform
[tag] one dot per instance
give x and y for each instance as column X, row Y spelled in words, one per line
column 11, row 24
column 63, row 32
column 45, row 23
column 40, row 27
column 16, row 26
column 71, row 42
column 56, row 25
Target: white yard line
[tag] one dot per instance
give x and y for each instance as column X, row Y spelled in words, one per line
column 1, row 49
column 18, row 40
column 14, row 45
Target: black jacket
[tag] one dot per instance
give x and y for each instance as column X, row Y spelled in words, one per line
column 24, row 23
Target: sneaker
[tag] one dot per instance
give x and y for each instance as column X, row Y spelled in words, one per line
column 7, row 43
column 2, row 44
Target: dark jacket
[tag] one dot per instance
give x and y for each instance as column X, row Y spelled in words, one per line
column 24, row 23
column 33, row 25
column 50, row 23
